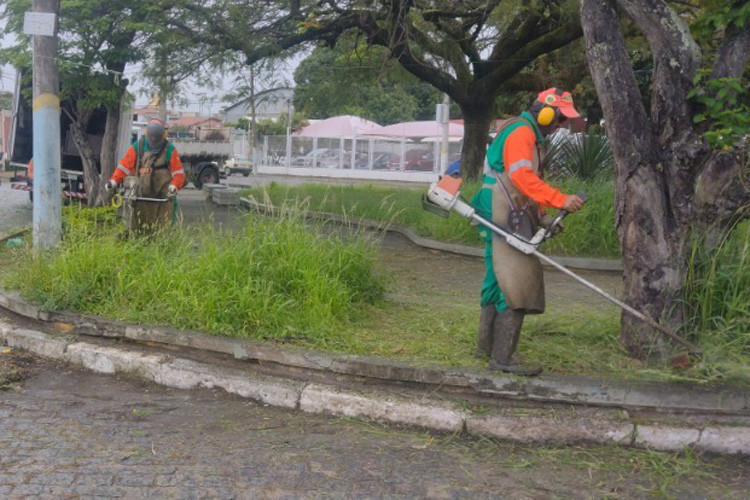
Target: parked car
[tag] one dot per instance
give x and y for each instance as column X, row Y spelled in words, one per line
column 381, row 161
column 238, row 164
column 414, row 159
column 315, row 156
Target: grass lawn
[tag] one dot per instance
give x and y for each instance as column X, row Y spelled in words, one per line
column 589, row 232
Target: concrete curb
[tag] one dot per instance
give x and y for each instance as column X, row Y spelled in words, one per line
column 525, row 425
column 571, row 390
column 584, row 263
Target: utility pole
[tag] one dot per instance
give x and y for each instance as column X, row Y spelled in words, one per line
column 445, row 121
column 43, row 24
column 251, row 146
column 290, row 111
column 163, row 90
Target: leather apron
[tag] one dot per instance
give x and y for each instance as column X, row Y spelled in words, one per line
column 153, row 177
column 519, row 275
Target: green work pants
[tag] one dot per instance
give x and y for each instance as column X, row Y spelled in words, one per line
column 491, row 293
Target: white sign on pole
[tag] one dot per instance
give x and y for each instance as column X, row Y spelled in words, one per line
column 39, row 23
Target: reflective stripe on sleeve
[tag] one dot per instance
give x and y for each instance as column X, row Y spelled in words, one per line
column 127, row 172
column 177, row 172
column 520, row 164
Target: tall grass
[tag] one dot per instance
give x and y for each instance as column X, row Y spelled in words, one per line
column 589, row 232
column 276, row 278
column 718, row 291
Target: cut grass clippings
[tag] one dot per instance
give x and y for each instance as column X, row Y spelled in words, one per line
column 589, row 232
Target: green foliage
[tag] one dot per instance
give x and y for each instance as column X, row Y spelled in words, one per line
column 724, row 108
column 359, row 80
column 716, row 15
column 275, row 127
column 6, row 100
column 587, row 156
column 589, row 232
column 274, row 279
column 718, row 291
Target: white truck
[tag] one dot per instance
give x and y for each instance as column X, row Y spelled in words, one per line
column 206, row 162
column 203, row 160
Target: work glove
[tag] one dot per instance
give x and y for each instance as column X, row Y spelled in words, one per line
column 171, row 191
column 111, row 186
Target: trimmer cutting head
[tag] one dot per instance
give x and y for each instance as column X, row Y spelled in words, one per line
column 433, row 208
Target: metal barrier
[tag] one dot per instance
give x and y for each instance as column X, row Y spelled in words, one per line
column 356, row 154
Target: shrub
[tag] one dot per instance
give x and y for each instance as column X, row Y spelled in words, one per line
column 587, row 156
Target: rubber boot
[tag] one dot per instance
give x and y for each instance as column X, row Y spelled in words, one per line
column 484, row 335
column 506, row 330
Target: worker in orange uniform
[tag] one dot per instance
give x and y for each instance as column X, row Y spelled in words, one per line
column 156, row 165
column 512, row 196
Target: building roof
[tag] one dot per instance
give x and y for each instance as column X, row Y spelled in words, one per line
column 339, row 126
column 191, row 121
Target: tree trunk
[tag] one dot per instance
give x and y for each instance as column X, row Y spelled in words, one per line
column 88, row 158
column 650, row 273
column 476, row 132
column 658, row 158
column 107, row 158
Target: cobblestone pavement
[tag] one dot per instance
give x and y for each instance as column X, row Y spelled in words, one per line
column 66, row 433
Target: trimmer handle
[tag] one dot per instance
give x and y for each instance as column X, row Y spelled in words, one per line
column 561, row 215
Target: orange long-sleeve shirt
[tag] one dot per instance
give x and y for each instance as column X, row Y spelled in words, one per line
column 518, row 158
column 126, row 167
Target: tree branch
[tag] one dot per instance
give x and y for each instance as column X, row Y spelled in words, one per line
column 507, row 68
column 630, row 132
column 676, row 60
column 733, row 54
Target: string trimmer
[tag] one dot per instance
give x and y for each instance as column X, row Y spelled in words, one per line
column 443, row 197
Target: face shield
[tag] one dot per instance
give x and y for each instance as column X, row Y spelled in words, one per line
column 155, row 135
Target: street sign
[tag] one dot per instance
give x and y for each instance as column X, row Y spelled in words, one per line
column 39, row 23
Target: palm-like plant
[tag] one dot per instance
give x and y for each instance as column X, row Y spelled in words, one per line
column 585, row 155
column 588, row 155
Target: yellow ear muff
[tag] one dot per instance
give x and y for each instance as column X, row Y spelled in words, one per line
column 546, row 116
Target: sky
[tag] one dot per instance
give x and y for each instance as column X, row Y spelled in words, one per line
column 7, row 73
column 200, row 98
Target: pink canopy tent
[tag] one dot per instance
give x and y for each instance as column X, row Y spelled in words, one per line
column 419, row 130
column 340, row 126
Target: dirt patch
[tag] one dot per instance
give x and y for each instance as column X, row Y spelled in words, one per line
column 430, row 276
column 15, row 366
